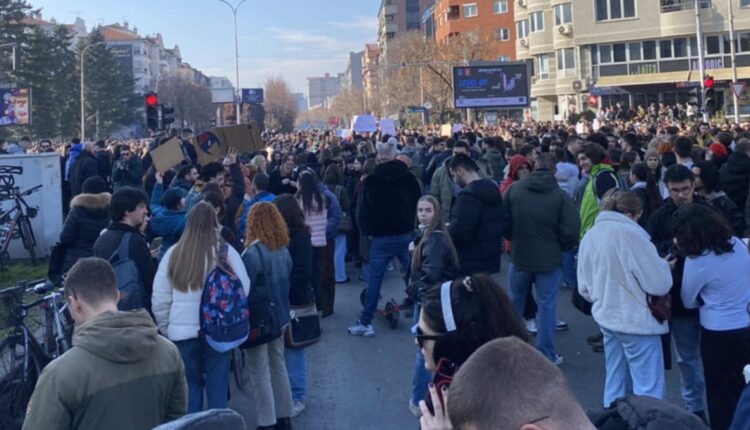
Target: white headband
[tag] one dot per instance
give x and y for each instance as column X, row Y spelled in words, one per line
column 445, row 303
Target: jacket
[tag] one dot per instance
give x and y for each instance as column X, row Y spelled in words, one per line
column 333, row 213
column 477, row 227
column 441, row 187
column 542, row 222
column 165, row 223
column 732, row 213
column 119, row 375
column 345, row 203
column 75, row 151
column 88, row 216
column 237, row 195
column 277, row 270
column 182, row 184
column 131, row 176
column 497, row 163
column 437, row 266
column 388, row 203
column 177, row 313
column 601, row 179
column 107, row 243
column 617, row 266
column 104, row 165
column 84, row 167
column 300, row 280
column 263, row 196
column 734, row 176
column 516, row 162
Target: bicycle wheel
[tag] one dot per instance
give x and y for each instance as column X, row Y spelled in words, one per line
column 17, row 380
column 29, row 241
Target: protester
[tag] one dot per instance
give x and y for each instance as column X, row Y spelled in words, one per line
column 120, row 374
column 520, row 166
column 212, row 172
column 601, row 179
column 213, row 196
column 645, row 187
column 708, row 186
column 283, row 180
column 735, row 174
column 168, row 215
column 127, row 169
column 185, row 178
column 260, row 193
column 493, row 155
column 333, row 180
column 442, row 186
column 84, row 167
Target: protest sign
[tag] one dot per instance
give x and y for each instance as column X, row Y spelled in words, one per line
column 387, row 126
column 364, row 123
column 446, row 130
column 167, row 155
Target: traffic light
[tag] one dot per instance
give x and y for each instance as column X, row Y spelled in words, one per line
column 693, row 97
column 593, row 100
column 152, row 111
column 167, row 116
column 709, row 103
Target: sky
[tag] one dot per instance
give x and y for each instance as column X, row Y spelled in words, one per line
column 292, row 38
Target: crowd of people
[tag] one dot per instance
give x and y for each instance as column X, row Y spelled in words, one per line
column 641, row 218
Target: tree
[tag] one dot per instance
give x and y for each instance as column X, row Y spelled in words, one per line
column 281, row 108
column 191, row 102
column 349, row 102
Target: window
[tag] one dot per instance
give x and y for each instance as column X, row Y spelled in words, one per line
column 680, row 48
column 503, row 58
column 543, row 67
column 649, row 50
column 744, row 41
column 677, row 5
column 566, row 59
column 744, row 3
column 522, row 28
column 537, row 21
column 502, row 34
column 619, row 53
column 665, row 49
column 499, row 6
column 693, row 47
column 614, row 9
column 470, row 10
column 563, row 14
column 713, row 46
column 605, row 54
column 635, row 51
column 727, row 45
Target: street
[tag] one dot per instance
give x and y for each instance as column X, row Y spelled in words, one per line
column 364, row 383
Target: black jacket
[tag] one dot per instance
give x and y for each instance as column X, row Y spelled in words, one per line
column 477, row 227
column 104, row 164
column 723, row 204
column 88, row 216
column 84, row 167
column 437, row 266
column 300, row 280
column 108, row 242
column 388, row 205
column 735, row 176
column 234, row 201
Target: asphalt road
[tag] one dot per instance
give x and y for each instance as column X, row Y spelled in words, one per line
column 365, row 383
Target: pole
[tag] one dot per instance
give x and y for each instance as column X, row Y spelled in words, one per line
column 701, row 58
column 238, row 91
column 83, row 106
column 732, row 41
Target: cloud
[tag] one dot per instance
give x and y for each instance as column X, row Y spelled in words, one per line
column 368, row 23
column 301, row 37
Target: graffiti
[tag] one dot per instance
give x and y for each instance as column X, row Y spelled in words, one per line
column 8, row 187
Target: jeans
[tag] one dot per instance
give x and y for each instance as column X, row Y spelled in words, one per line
column 547, row 285
column 269, row 381
column 570, row 277
column 339, row 258
column 204, row 369
column 631, row 359
column 422, row 377
column 296, row 367
column 686, row 339
column 382, row 250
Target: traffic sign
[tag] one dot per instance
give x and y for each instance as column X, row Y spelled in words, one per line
column 252, row 95
column 427, row 105
column 738, row 88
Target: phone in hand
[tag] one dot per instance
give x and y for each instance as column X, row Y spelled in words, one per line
column 446, row 369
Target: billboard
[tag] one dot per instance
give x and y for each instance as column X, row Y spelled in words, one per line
column 252, row 95
column 504, row 85
column 15, row 106
column 123, row 54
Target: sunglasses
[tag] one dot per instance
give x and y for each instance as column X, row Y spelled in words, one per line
column 422, row 338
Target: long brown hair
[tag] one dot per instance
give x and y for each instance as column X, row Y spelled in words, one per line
column 195, row 252
column 265, row 223
column 437, row 224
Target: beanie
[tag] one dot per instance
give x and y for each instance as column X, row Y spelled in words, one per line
column 94, row 185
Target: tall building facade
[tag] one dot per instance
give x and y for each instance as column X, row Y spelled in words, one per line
column 321, row 89
column 370, row 75
column 397, row 16
column 352, row 76
column 635, row 52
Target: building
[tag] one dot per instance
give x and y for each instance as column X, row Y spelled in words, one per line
column 397, row 16
column 77, row 30
column 195, row 76
column 320, row 89
column 635, row 52
column 352, row 76
column 370, row 76
column 428, row 18
column 301, row 101
column 488, row 20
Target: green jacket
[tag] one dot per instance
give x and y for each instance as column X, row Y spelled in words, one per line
column 119, row 375
column 497, row 163
column 441, row 188
column 589, row 208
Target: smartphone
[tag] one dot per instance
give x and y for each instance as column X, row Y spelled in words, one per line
column 446, row 369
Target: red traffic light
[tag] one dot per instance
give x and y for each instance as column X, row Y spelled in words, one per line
column 593, row 100
column 151, row 99
column 708, row 82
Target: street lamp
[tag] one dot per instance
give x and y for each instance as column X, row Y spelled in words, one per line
column 236, row 56
column 13, row 53
column 83, row 108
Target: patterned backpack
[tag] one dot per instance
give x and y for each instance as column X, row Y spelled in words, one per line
column 224, row 314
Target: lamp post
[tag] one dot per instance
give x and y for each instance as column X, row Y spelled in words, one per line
column 13, row 53
column 238, row 95
column 83, row 106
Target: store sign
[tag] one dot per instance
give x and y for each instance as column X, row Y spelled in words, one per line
column 643, row 68
column 709, row 64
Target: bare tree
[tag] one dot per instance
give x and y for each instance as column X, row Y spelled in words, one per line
column 281, row 108
column 191, row 102
column 349, row 102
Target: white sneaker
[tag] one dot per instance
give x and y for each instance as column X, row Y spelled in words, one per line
column 360, row 329
column 561, row 325
column 531, row 326
column 298, row 408
column 558, row 359
column 415, row 409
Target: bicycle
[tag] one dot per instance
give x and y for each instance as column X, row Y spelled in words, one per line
column 16, row 223
column 22, row 357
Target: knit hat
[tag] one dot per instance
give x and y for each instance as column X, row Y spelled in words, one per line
column 718, row 150
column 651, row 153
column 94, row 185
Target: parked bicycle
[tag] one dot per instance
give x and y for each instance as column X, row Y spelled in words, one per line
column 22, row 356
column 16, row 223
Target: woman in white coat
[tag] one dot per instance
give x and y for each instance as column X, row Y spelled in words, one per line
column 617, row 267
column 176, row 300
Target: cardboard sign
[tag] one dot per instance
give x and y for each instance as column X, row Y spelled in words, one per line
column 209, row 147
column 446, row 130
column 387, row 126
column 214, row 144
column 364, row 123
column 168, row 155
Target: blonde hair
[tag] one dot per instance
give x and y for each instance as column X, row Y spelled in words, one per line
column 258, row 164
column 196, row 249
column 622, row 201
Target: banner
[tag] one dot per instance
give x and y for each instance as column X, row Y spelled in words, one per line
column 15, row 106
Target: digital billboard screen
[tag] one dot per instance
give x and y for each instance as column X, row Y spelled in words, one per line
column 15, row 106
column 503, row 85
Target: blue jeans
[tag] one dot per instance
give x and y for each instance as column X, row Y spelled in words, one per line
column 635, row 360
column 422, row 377
column 547, row 285
column 570, row 277
column 204, row 369
column 382, row 251
column 339, row 258
column 296, row 367
column 687, row 340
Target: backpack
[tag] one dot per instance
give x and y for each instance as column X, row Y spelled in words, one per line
column 264, row 326
column 646, row 413
column 224, row 314
column 132, row 291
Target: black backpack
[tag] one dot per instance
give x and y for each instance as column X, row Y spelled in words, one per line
column 645, row 413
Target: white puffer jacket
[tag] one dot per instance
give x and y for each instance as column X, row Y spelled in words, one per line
column 617, row 266
column 177, row 314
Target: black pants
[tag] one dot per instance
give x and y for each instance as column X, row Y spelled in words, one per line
column 324, row 281
column 724, row 354
column 529, row 307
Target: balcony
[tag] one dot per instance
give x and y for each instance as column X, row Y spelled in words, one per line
column 667, row 6
column 390, row 10
column 453, row 12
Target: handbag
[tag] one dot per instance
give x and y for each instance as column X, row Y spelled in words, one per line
column 304, row 327
column 264, row 326
column 580, row 303
column 660, row 306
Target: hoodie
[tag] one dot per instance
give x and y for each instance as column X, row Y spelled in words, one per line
column 388, row 203
column 165, row 223
column 515, row 163
column 119, row 375
column 543, row 222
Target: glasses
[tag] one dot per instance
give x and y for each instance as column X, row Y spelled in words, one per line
column 681, row 192
column 422, row 338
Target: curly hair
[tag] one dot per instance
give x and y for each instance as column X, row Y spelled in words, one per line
column 265, row 223
column 701, row 229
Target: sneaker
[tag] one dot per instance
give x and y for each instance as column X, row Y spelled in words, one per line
column 360, row 329
column 561, row 325
column 414, row 409
column 390, row 268
column 299, row 406
column 558, row 359
column 531, row 326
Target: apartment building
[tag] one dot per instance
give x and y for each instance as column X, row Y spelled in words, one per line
column 397, row 16
column 352, row 76
column 320, row 90
column 635, row 52
column 370, row 75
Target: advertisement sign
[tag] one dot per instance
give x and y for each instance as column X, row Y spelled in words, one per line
column 123, row 54
column 15, row 106
column 252, row 95
column 497, row 85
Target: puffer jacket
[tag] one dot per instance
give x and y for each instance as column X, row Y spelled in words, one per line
column 388, row 203
column 441, row 187
column 89, row 215
column 438, row 265
column 177, row 313
column 119, row 375
column 165, row 223
column 497, row 163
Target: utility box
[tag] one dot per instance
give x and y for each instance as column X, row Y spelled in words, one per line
column 19, row 173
